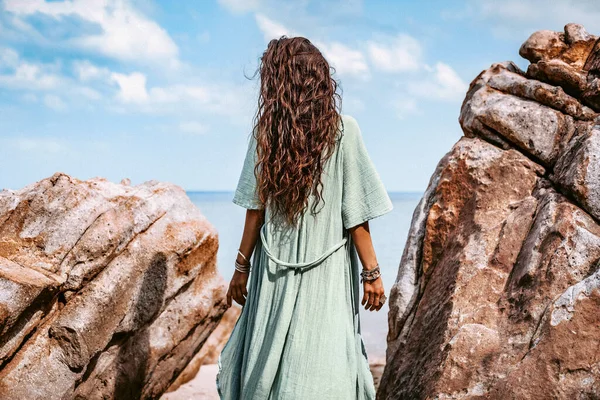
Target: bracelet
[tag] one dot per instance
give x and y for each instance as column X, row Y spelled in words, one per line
column 242, row 268
column 243, row 256
column 371, row 274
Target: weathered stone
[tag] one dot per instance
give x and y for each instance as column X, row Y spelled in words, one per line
column 572, row 47
column 536, row 129
column 502, row 79
column 211, row 348
column 110, row 289
column 543, row 45
column 578, row 170
column 479, row 192
column 563, row 361
column 558, row 72
column 570, row 60
column 509, row 110
column 25, row 296
column 576, row 33
column 498, row 291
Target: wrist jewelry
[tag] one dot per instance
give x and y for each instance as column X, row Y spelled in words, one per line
column 370, row 274
column 243, row 256
column 243, row 268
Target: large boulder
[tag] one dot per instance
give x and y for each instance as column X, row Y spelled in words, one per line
column 107, row 290
column 498, row 291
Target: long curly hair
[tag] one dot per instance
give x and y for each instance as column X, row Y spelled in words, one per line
column 295, row 126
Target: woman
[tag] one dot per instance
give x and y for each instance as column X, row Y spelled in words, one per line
column 310, row 189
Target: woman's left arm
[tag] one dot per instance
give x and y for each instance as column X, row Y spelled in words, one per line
column 237, row 287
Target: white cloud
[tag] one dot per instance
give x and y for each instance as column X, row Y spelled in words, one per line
column 87, row 71
column 519, row 18
column 402, row 53
column 27, row 76
column 132, row 87
column 30, row 76
column 443, row 84
column 193, row 127
column 344, row 59
column 87, row 92
column 271, row 29
column 8, row 57
column 240, row 6
column 54, row 102
column 126, row 34
column 218, row 98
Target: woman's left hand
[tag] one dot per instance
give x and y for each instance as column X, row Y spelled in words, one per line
column 237, row 288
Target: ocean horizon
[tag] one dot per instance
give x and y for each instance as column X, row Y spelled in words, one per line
column 389, row 233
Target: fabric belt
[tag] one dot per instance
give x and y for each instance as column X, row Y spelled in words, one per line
column 323, row 256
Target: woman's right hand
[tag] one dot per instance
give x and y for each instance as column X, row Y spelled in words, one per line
column 373, row 290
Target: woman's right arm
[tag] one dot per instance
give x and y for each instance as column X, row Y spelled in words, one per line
column 238, row 285
column 373, row 290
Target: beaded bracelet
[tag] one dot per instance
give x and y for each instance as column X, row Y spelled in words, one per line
column 371, row 274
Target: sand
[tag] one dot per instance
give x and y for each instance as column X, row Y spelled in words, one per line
column 202, row 387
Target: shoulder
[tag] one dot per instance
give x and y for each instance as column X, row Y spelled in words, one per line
column 350, row 123
column 351, row 131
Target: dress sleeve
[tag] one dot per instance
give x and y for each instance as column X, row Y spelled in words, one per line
column 364, row 196
column 245, row 192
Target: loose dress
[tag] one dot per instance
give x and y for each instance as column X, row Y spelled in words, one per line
column 299, row 335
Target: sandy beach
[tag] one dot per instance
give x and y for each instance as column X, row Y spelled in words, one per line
column 203, row 386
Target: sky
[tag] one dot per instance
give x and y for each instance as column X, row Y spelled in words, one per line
column 166, row 90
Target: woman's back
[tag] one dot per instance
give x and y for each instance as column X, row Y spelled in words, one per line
column 298, row 336
column 352, row 193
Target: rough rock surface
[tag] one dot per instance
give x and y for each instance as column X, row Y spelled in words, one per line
column 106, row 290
column 209, row 354
column 498, row 291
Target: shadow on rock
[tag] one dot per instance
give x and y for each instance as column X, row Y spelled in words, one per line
column 133, row 355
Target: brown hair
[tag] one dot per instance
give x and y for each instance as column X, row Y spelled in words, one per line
column 295, row 125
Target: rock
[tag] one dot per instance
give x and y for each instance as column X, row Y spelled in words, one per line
column 108, row 290
column 481, row 206
column 543, row 45
column 576, row 33
column 209, row 354
column 570, row 60
column 578, row 170
column 498, row 290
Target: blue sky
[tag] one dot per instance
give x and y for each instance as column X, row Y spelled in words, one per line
column 158, row 89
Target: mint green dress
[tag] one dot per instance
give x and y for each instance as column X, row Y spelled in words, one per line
column 299, row 335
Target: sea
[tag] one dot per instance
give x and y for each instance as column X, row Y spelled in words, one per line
column 388, row 232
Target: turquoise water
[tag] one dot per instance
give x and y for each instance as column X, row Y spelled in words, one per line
column 388, row 232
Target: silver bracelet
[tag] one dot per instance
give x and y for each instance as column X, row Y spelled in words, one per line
column 243, row 256
column 242, row 268
column 371, row 274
